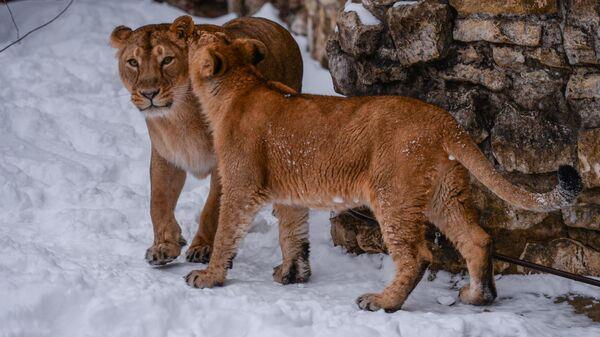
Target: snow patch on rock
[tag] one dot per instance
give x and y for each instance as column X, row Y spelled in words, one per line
column 364, row 15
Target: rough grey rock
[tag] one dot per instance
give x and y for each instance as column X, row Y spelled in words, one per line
column 518, row 32
column 582, row 216
column 538, row 89
column 493, row 79
column 583, row 96
column 531, row 142
column 468, row 55
column 508, row 57
column 355, row 37
column 421, row 31
column 588, row 153
column 564, row 254
column 583, row 85
column 548, row 57
column 463, row 104
column 495, row 7
column 374, row 70
column 581, row 31
column 378, row 7
column 342, row 68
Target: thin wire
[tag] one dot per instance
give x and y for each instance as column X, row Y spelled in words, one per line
column 39, row 27
column 12, row 18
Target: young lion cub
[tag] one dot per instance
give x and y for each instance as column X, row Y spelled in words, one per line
column 407, row 160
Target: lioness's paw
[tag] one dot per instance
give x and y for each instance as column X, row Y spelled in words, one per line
column 163, row 253
column 297, row 271
column 476, row 297
column 198, row 254
column 203, row 279
column 369, row 302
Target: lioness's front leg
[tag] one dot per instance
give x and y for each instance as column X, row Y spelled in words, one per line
column 238, row 208
column 201, row 247
column 166, row 182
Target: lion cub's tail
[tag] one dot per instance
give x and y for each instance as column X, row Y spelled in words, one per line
column 458, row 144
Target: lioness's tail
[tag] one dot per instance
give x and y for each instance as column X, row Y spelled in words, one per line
column 458, row 144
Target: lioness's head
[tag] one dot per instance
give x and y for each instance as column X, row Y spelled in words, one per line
column 153, row 63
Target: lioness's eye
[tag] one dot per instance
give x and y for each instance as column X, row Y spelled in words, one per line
column 167, row 60
column 132, row 62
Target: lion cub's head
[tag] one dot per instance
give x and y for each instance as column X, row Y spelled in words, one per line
column 153, row 63
column 214, row 55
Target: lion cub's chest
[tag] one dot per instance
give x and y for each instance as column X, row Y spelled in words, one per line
column 185, row 144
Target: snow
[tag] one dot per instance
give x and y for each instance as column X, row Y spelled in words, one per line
column 74, row 219
column 446, row 300
column 364, row 15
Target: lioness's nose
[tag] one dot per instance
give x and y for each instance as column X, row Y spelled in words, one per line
column 149, row 94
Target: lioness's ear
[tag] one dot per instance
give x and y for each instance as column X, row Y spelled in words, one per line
column 252, row 50
column 183, row 27
column 119, row 36
column 211, row 64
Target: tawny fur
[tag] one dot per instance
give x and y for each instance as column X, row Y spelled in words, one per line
column 180, row 134
column 394, row 154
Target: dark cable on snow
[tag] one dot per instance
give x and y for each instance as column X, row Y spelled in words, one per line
column 36, row 28
column 12, row 18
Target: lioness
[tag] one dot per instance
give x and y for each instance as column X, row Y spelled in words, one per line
column 407, row 160
column 153, row 66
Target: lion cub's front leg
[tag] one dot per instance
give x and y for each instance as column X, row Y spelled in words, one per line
column 237, row 211
column 166, row 182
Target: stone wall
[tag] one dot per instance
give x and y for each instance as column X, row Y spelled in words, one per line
column 522, row 76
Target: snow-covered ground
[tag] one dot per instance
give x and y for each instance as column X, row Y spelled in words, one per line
column 74, row 220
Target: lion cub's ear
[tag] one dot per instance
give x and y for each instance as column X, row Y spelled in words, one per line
column 119, row 36
column 253, row 51
column 211, row 64
column 183, row 27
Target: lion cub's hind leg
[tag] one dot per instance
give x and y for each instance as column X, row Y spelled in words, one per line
column 453, row 213
column 403, row 229
column 293, row 239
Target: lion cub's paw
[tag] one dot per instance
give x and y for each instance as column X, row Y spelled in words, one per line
column 203, row 279
column 475, row 297
column 297, row 271
column 369, row 302
column 163, row 253
column 198, row 254
column 374, row 302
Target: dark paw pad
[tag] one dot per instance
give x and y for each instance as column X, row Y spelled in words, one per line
column 298, row 271
column 198, row 254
